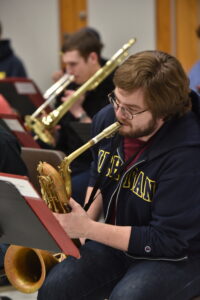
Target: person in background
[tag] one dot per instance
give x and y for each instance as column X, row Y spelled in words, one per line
column 194, row 73
column 12, row 163
column 148, row 188
column 58, row 74
column 82, row 58
column 96, row 33
column 10, row 64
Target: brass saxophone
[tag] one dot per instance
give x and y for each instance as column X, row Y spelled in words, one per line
column 42, row 127
column 26, row 268
column 56, row 185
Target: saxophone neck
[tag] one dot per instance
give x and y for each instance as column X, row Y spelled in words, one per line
column 106, row 133
column 65, row 164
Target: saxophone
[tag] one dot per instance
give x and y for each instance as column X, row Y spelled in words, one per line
column 26, row 268
column 56, row 184
column 42, row 127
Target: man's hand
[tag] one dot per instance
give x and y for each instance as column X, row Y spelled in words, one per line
column 76, row 109
column 76, row 223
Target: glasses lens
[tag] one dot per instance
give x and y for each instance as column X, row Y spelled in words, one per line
column 127, row 114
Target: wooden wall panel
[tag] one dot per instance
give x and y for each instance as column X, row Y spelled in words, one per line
column 176, row 22
column 186, row 39
column 163, row 25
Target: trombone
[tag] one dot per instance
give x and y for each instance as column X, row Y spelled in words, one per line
column 42, row 127
column 53, row 92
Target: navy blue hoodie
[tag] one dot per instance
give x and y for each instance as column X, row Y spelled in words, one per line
column 10, row 64
column 10, row 154
column 159, row 196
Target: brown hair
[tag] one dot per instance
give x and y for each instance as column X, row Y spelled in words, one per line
column 162, row 78
column 85, row 41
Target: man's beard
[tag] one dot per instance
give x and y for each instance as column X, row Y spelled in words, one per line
column 141, row 132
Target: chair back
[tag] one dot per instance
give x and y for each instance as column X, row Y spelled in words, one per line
column 32, row 157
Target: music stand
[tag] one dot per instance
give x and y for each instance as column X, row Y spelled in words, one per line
column 27, row 221
column 22, row 94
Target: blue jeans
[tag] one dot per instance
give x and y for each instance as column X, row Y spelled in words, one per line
column 103, row 272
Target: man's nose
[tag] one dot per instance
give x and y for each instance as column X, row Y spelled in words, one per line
column 69, row 70
column 119, row 112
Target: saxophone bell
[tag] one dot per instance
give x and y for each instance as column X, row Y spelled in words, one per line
column 20, row 260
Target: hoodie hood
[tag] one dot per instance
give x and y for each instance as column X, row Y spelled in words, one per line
column 177, row 132
column 5, row 49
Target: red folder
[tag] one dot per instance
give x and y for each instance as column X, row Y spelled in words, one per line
column 5, row 108
column 23, row 94
column 26, row 220
column 15, row 124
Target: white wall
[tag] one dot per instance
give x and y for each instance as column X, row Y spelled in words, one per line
column 33, row 27
column 120, row 20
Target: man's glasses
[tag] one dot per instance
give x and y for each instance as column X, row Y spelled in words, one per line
column 125, row 111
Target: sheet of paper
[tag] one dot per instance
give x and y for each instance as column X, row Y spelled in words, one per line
column 25, row 88
column 23, row 186
column 14, row 125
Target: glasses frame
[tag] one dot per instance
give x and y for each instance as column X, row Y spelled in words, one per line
column 124, row 110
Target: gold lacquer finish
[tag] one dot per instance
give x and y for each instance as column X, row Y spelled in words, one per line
column 34, row 123
column 43, row 126
column 53, row 188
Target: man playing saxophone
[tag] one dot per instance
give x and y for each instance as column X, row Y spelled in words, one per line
column 82, row 58
column 148, row 188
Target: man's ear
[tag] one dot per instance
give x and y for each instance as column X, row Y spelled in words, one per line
column 93, row 57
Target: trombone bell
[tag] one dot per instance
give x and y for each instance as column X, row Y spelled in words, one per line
column 58, row 86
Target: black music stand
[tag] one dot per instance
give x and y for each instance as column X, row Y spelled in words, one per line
column 20, row 225
column 22, row 94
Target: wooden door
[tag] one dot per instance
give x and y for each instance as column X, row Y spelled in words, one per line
column 73, row 16
column 176, row 22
